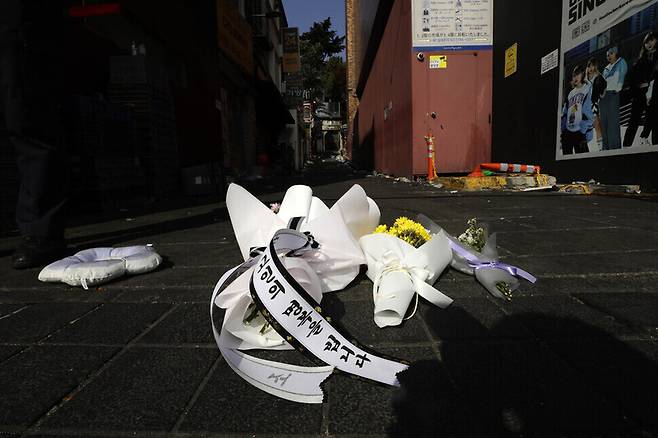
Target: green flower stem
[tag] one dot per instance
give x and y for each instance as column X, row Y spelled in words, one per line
column 504, row 289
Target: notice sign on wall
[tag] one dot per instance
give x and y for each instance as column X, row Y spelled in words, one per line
column 452, row 24
column 510, row 59
column 438, row 61
column 549, row 62
column 608, row 100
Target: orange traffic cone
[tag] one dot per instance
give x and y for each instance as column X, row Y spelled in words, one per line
column 431, row 170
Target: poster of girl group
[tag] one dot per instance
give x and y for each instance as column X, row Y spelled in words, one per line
column 608, row 89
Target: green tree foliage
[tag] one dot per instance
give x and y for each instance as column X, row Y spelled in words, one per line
column 320, row 66
column 334, row 80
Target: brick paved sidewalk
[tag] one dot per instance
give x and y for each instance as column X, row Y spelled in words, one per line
column 574, row 354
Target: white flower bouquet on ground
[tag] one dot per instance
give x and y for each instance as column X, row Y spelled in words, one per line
column 272, row 299
column 475, row 253
column 404, row 261
column 330, row 267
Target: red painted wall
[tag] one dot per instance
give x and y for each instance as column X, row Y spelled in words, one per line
column 461, row 97
column 401, row 92
column 388, row 94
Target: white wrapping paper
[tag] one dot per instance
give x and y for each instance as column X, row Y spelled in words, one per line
column 399, row 272
column 293, row 310
column 329, row 268
column 483, row 265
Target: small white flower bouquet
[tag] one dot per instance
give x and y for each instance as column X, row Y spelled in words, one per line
column 475, row 253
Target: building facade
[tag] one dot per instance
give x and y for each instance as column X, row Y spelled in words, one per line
column 531, row 98
column 552, row 41
column 404, row 95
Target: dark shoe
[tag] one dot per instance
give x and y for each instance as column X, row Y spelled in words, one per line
column 37, row 251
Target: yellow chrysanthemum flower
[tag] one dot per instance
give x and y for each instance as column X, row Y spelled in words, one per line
column 404, row 228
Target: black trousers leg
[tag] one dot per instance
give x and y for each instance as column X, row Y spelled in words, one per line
column 652, row 121
column 638, row 106
column 41, row 166
column 40, row 210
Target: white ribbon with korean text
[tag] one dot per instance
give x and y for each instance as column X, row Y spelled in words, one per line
column 300, row 321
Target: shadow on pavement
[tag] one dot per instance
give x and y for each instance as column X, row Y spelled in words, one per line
column 319, row 173
column 590, row 384
column 110, row 238
column 117, row 237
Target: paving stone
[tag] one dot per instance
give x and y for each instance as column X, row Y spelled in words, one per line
column 7, row 351
column 229, row 404
column 426, row 404
column 144, row 389
column 567, row 357
column 628, row 216
column 208, row 233
column 217, row 234
column 37, row 379
column 563, row 318
column 584, row 240
column 187, row 324
column 503, row 224
column 634, row 309
column 168, row 276
column 142, row 231
column 57, row 292
column 357, row 319
column 164, row 294
column 292, row 357
column 194, row 254
column 457, row 285
column 470, row 318
column 453, row 275
column 39, row 320
column 522, row 387
column 510, row 201
column 619, row 205
column 624, row 283
column 60, row 435
column 553, row 286
column 110, row 324
column 24, row 278
column 540, row 221
column 586, row 265
column 359, row 290
column 7, row 309
column 624, row 371
column 5, row 262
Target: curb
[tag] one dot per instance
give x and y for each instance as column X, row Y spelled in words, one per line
column 496, row 182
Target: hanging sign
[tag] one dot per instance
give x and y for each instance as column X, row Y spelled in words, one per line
column 291, row 60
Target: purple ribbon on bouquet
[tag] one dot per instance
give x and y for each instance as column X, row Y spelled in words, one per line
column 476, row 263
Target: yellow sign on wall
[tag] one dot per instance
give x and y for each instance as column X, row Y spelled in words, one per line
column 510, row 59
column 438, row 61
